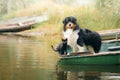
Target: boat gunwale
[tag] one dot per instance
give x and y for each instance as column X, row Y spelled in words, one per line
column 93, row 55
column 111, row 41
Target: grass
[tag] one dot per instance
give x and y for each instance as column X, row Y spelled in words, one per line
column 87, row 17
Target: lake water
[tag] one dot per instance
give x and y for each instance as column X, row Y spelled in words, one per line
column 31, row 58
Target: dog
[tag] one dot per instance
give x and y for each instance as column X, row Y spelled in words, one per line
column 80, row 39
column 61, row 48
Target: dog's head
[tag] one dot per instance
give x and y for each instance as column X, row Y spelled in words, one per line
column 70, row 23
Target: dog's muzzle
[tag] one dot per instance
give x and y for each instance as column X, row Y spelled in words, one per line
column 70, row 25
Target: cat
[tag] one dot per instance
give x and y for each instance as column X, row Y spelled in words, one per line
column 61, row 48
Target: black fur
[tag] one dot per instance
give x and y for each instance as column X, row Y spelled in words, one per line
column 61, row 48
column 86, row 36
column 89, row 38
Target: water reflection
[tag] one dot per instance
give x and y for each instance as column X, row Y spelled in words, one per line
column 24, row 58
column 88, row 72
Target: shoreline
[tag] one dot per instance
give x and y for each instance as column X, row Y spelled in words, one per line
column 40, row 33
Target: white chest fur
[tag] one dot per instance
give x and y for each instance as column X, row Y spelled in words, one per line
column 72, row 37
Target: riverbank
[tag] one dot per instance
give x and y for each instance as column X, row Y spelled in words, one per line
column 41, row 26
column 88, row 16
column 50, row 31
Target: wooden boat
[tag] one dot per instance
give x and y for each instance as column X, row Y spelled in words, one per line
column 21, row 23
column 110, row 34
column 109, row 55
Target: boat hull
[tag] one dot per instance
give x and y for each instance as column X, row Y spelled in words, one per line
column 98, row 59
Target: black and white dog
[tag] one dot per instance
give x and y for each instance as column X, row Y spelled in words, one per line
column 80, row 39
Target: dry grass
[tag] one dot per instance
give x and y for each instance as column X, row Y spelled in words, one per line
column 87, row 17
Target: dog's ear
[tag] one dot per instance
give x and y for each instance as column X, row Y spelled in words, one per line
column 63, row 21
column 74, row 20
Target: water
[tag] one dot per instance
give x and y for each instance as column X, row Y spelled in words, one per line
column 25, row 58
column 89, row 72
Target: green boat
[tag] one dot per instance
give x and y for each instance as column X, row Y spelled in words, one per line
column 90, row 68
column 104, row 58
column 109, row 55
